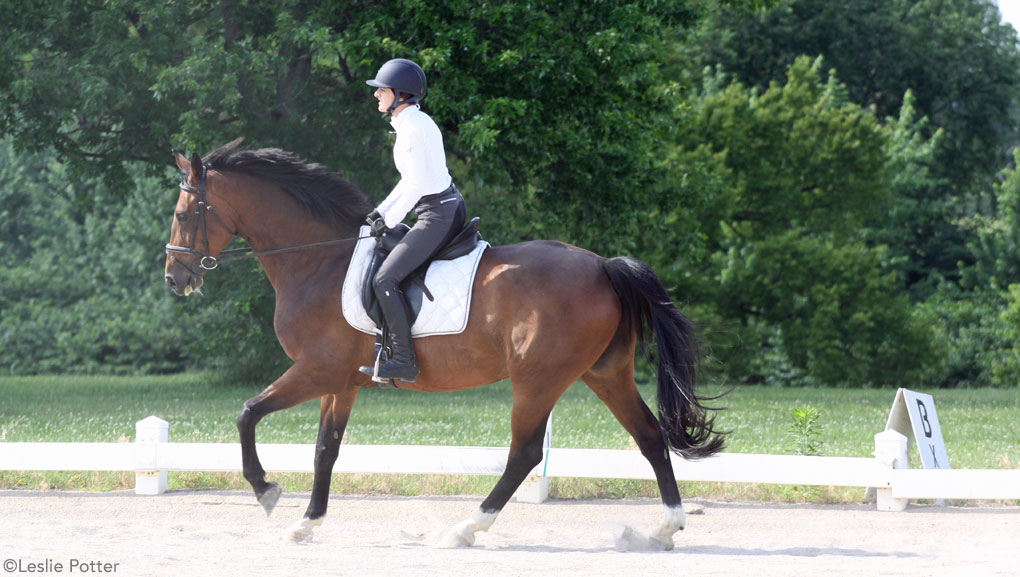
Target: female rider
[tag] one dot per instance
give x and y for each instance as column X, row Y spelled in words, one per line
column 426, row 188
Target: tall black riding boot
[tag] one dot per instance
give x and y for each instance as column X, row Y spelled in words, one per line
column 402, row 364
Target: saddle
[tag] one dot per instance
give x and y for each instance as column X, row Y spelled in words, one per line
column 413, row 286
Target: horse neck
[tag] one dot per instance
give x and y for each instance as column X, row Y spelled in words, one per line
column 269, row 219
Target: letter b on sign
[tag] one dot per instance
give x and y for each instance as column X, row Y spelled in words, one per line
column 913, row 414
column 923, row 412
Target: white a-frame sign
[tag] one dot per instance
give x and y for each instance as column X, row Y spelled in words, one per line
column 913, row 416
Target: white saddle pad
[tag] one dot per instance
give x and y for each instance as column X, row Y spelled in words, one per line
column 449, row 281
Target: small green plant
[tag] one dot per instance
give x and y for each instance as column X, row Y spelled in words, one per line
column 804, row 432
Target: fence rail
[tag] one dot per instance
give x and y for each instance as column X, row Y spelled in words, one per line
column 151, row 456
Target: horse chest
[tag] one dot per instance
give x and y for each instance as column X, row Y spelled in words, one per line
column 296, row 322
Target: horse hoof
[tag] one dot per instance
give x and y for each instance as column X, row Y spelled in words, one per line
column 657, row 545
column 269, row 497
column 662, row 540
column 456, row 538
column 675, row 520
column 463, row 533
column 627, row 539
column 301, row 532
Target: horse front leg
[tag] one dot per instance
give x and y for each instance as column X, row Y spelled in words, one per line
column 266, row 493
column 292, row 388
column 333, row 416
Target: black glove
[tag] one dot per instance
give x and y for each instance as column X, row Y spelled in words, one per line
column 372, row 217
column 378, row 226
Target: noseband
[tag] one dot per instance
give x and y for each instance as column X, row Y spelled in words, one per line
column 206, row 261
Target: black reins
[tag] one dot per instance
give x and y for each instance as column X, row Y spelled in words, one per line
column 206, row 261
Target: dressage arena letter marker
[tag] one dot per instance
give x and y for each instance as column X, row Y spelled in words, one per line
column 913, row 415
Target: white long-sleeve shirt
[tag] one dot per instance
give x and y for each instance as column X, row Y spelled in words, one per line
column 421, row 161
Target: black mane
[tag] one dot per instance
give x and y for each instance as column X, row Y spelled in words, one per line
column 323, row 193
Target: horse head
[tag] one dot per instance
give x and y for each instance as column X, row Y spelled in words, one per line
column 194, row 242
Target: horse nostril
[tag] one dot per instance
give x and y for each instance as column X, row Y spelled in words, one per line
column 170, row 282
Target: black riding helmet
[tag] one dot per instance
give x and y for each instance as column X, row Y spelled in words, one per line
column 400, row 75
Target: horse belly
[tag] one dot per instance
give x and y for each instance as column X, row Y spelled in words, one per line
column 456, row 362
column 537, row 309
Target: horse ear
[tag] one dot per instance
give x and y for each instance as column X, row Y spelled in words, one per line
column 196, row 165
column 234, row 143
column 183, row 164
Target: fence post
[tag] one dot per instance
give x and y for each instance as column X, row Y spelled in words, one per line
column 536, row 489
column 149, row 432
column 891, row 451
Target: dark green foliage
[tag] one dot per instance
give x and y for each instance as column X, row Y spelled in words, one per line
column 789, row 267
column 81, row 282
column 961, row 65
column 79, row 275
column 959, row 59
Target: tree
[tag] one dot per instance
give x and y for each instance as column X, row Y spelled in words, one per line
column 997, row 246
column 980, row 318
column 916, row 221
column 106, row 83
column 959, row 59
column 79, row 289
column 789, row 268
column 961, row 66
column 552, row 102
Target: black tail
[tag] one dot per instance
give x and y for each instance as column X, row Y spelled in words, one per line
column 687, row 425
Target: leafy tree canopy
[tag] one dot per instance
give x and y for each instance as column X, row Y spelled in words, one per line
column 959, row 59
column 556, row 102
column 789, row 262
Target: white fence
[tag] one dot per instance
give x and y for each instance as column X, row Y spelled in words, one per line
column 151, row 456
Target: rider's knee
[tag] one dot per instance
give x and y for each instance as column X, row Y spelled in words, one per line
column 384, row 283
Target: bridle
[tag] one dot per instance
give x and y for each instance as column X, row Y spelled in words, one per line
column 206, row 261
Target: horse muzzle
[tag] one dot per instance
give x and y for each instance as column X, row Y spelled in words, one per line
column 181, row 282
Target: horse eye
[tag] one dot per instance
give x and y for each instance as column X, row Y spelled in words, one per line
column 182, row 217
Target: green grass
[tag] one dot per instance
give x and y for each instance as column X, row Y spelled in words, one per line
column 981, row 429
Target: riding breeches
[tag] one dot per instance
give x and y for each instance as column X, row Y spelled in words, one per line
column 440, row 218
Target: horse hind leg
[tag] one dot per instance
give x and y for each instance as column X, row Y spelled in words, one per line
column 525, row 454
column 528, row 423
column 619, row 392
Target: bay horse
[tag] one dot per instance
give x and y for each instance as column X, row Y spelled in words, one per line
column 543, row 314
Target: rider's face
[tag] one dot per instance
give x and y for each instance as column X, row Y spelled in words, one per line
column 385, row 97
